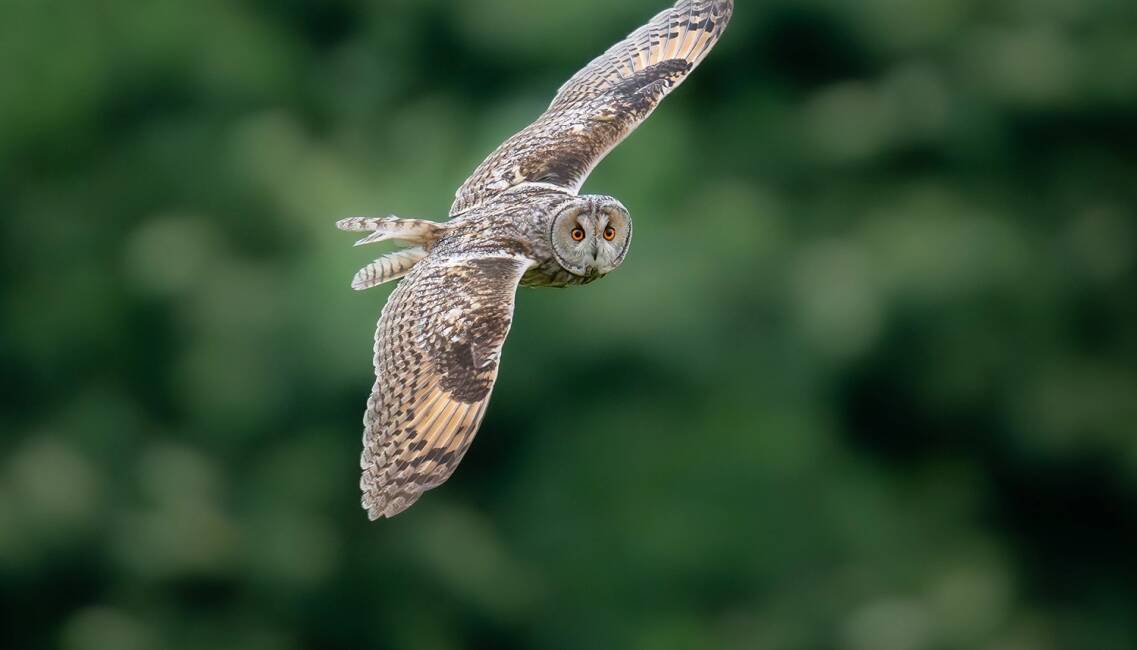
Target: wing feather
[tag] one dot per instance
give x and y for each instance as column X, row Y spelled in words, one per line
column 600, row 105
column 437, row 349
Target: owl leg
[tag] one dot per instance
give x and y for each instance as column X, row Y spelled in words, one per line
column 408, row 231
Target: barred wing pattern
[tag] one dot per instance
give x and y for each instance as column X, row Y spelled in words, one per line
column 437, row 350
column 600, row 105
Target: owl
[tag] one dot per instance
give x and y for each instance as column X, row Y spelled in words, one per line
column 517, row 221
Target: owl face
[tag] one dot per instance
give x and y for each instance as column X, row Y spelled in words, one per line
column 590, row 235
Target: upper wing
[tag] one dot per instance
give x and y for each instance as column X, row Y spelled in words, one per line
column 436, row 356
column 600, row 105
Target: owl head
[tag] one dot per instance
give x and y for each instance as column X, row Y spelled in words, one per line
column 590, row 235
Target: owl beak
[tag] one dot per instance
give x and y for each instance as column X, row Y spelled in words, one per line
column 594, row 268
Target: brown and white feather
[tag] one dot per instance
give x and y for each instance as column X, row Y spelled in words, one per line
column 437, row 350
column 600, row 105
column 391, row 266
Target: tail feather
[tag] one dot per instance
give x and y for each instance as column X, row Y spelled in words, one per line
column 391, row 266
column 410, row 231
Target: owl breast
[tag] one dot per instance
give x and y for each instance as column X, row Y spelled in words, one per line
column 551, row 274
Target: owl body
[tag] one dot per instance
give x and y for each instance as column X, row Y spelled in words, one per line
column 516, row 221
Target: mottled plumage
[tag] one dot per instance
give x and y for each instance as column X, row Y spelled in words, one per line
column 600, row 105
column 516, row 221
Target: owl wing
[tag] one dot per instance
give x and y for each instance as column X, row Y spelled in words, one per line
column 600, row 105
column 437, row 349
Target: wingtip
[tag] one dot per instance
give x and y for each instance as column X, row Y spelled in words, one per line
column 387, row 511
column 370, row 507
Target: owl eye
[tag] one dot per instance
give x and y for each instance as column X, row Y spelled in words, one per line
column 577, row 234
column 609, row 233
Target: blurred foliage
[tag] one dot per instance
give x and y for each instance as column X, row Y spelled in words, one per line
column 867, row 380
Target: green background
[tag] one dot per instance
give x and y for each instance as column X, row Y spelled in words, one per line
column 866, row 380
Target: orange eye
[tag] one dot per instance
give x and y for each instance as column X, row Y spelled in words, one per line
column 609, row 233
column 578, row 234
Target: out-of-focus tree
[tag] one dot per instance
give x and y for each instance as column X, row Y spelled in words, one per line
column 867, row 380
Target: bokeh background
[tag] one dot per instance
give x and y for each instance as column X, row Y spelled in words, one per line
column 867, row 380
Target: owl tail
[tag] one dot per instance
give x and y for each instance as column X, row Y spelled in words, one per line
column 392, row 266
column 417, row 232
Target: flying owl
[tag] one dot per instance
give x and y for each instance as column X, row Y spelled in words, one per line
column 517, row 221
